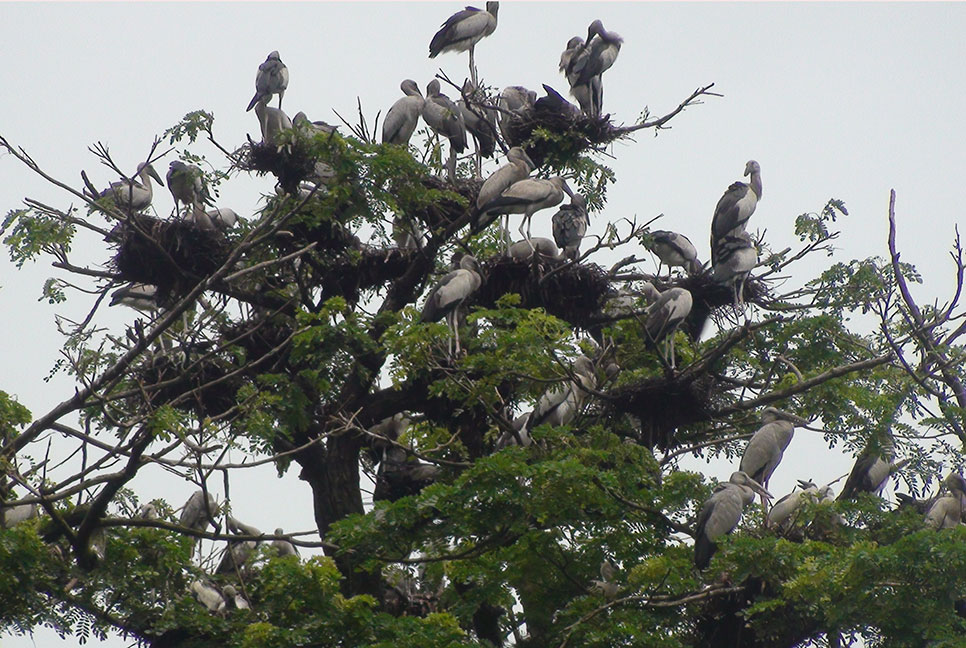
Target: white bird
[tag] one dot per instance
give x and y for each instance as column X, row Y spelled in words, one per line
column 403, row 116
column 781, row 515
column 666, row 312
column 271, row 78
column 10, row 516
column 139, row 296
column 586, row 67
column 735, row 256
column 520, row 426
column 735, row 207
column 196, row 513
column 463, row 30
column 407, row 234
column 767, row 446
column 207, row 595
column 721, row 513
column 131, row 194
column 560, row 404
column 271, row 121
column 185, row 182
column 541, row 247
column 223, row 218
column 514, row 103
column 674, row 250
column 527, row 197
column 233, row 600
column 450, row 292
column 444, row 117
column 518, row 166
column 148, row 511
column 570, row 225
column 284, row 547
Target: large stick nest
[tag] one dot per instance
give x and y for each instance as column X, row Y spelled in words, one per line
column 172, row 255
column 351, row 273
column 290, row 165
column 572, row 292
column 211, row 394
column 708, row 296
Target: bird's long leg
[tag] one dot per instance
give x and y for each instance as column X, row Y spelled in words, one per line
column 473, row 67
column 451, row 164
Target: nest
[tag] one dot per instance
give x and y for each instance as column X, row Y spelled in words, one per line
column 708, row 296
column 206, row 398
column 441, row 213
column 572, row 292
column 351, row 274
column 260, row 337
column 663, row 405
column 172, row 255
column 573, row 132
column 291, row 165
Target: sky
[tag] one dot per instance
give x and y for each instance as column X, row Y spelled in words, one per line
column 844, row 100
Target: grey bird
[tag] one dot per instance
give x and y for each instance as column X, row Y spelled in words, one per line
column 148, row 511
column 767, row 446
column 781, row 516
column 138, row 296
column 186, row 184
column 665, row 313
column 283, row 547
column 271, row 121
column 584, row 93
column 223, row 218
column 463, row 30
column 403, row 116
column 313, row 128
column 10, row 516
column 522, row 436
column 444, row 117
column 674, row 250
column 271, row 78
column 570, row 225
column 542, row 248
column 514, row 103
column 131, row 194
column 587, row 66
column 233, row 600
column 947, row 512
column 560, row 404
column 721, row 513
column 735, row 207
column 450, row 292
column 407, row 234
column 479, row 119
column 197, row 513
column 527, row 197
column 207, row 595
column 872, row 469
column 236, row 555
column 735, row 256
column 518, row 167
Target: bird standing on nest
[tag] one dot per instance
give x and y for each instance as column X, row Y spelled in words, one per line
column 271, row 78
column 735, row 207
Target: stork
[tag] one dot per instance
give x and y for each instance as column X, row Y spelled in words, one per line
column 271, row 121
column 283, row 547
column 514, row 102
column 302, row 122
column 570, row 225
column 735, row 207
column 198, row 512
column 480, row 121
column 560, row 404
column 872, row 469
column 542, row 248
column 587, row 66
column 666, row 312
column 401, row 120
column 130, row 194
column 271, row 78
column 518, row 167
column 233, row 600
column 223, row 218
column 12, row 515
column 735, row 256
column 450, row 292
column 186, row 186
column 767, row 446
column 139, row 296
column 444, row 117
column 583, row 93
column 527, row 197
column 947, row 512
column 463, row 30
column 207, row 595
column 781, row 515
column 674, row 250
column 721, row 513
column 407, row 234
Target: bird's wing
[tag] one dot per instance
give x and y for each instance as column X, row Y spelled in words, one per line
column 858, row 479
column 727, row 210
column 462, row 25
column 599, row 60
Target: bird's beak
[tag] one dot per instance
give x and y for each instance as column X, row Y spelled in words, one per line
column 528, row 160
column 758, row 488
column 154, row 174
column 567, row 189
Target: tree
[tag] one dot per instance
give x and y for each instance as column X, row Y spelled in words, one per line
column 296, row 337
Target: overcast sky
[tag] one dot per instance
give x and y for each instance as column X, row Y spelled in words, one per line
column 834, row 100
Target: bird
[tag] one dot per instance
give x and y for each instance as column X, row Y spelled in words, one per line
column 595, row 56
column 233, row 600
column 236, row 555
column 583, row 93
column 522, row 436
column 271, row 78
column 767, row 445
column 407, row 234
column 514, row 103
column 665, row 313
column 947, row 512
column 734, row 257
column 444, row 117
column 223, row 218
column 527, row 197
column 139, row 296
column 463, row 30
column 480, row 121
column 283, row 547
column 518, row 167
column 271, row 121
column 781, row 515
column 450, row 292
column 197, row 513
column 148, row 511
column 721, row 513
column 186, row 186
column 674, row 250
column 10, row 516
column 313, row 128
column 542, row 248
column 401, row 474
column 872, row 469
column 560, row 404
column 554, row 105
column 131, row 194
column 570, row 225
column 735, row 207
column 401, row 120
column 207, row 595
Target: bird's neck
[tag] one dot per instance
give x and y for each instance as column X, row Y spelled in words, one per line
column 755, row 183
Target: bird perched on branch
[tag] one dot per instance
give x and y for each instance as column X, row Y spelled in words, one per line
column 674, row 250
column 479, row 119
column 947, row 512
column 284, row 547
column 514, row 103
column 463, row 30
column 198, row 512
column 139, row 296
column 721, row 513
column 588, row 63
column 271, row 78
column 129, row 193
column 527, row 197
column 583, row 93
column 450, row 292
column 735, row 256
column 560, row 404
column 570, row 225
column 735, row 207
column 872, row 469
column 665, row 313
column 518, row 166
column 767, row 446
column 403, row 116
column 444, row 117
column 271, row 121
column 186, row 184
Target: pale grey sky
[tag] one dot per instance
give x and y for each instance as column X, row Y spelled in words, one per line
column 833, row 99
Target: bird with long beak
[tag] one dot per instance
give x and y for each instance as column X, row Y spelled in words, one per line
column 721, row 513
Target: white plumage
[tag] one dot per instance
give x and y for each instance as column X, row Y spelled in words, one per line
column 450, row 292
column 403, row 116
column 527, row 197
column 271, row 78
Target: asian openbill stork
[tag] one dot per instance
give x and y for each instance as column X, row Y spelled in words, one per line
column 131, row 194
column 570, row 225
column 721, row 513
column 735, row 207
column 767, row 445
column 444, row 117
column 527, row 197
column 450, row 292
column 674, row 250
column 271, row 78
column 665, row 313
column 463, row 30
column 403, row 116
